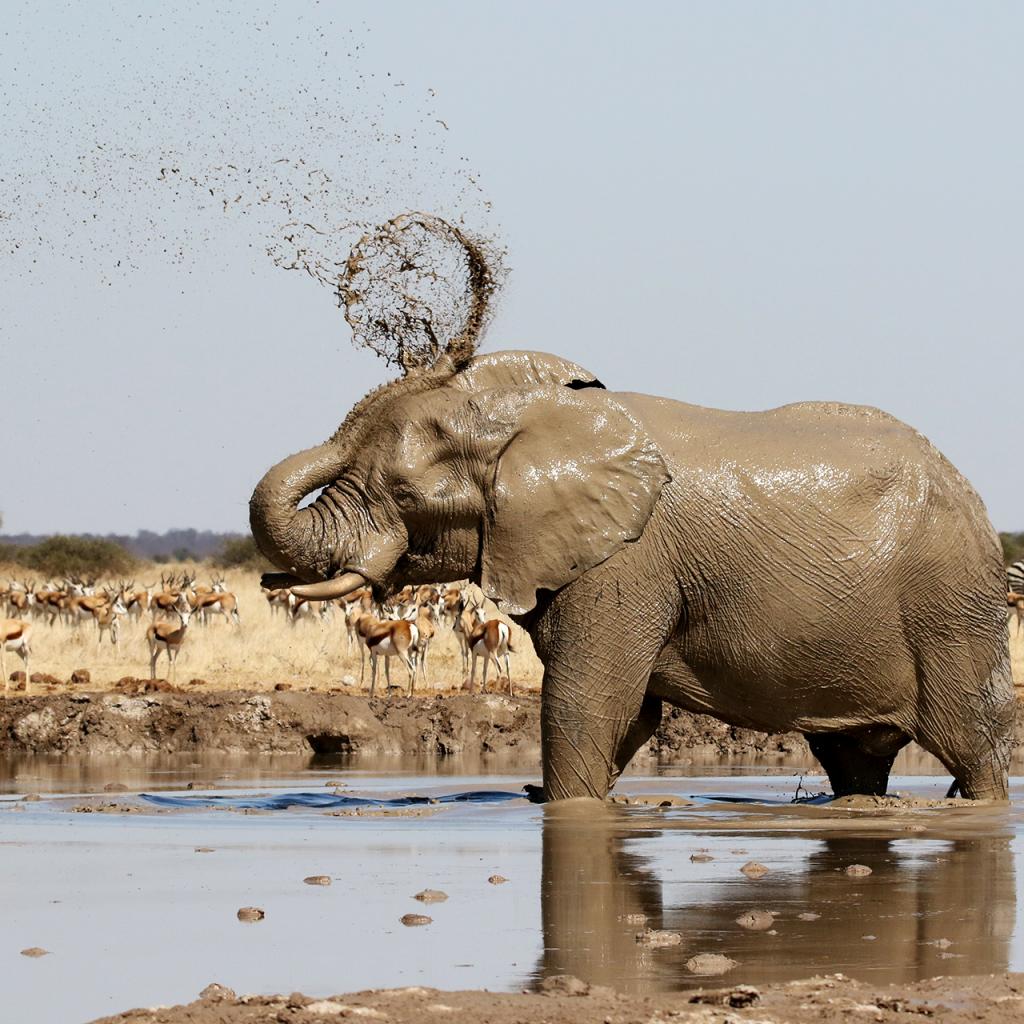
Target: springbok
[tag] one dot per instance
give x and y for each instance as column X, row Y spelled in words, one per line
column 491, row 639
column 1016, row 602
column 425, row 630
column 395, row 638
column 14, row 636
column 106, row 621
column 165, row 636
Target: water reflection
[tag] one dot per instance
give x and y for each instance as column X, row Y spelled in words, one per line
column 930, row 906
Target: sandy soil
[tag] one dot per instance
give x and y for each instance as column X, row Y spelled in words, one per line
column 292, row 722
column 994, row 998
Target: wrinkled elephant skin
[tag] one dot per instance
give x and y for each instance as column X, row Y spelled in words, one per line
column 818, row 567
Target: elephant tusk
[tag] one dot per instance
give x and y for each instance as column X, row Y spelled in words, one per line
column 330, row 589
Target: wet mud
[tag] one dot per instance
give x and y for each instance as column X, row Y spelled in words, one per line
column 991, row 999
column 331, row 724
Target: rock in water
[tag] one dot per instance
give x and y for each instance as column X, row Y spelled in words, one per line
column 754, row 870
column 710, row 963
column 858, row 870
column 756, row 920
column 415, row 920
column 317, row 880
column 251, row 914
column 431, row 896
column 655, row 939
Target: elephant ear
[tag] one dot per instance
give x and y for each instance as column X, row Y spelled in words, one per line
column 522, row 371
column 575, row 478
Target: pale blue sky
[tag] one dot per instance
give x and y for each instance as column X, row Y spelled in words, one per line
column 733, row 204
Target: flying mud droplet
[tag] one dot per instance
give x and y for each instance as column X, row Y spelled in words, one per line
column 497, row 879
column 710, row 963
column 700, row 858
column 808, row 916
column 416, row 920
column 752, row 869
column 431, row 896
column 317, row 880
column 417, row 286
column 858, row 870
column 251, row 914
column 35, row 952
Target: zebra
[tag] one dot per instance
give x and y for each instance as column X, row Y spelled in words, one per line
column 1015, row 591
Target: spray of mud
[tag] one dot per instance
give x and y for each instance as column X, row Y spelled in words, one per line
column 417, row 286
column 246, row 135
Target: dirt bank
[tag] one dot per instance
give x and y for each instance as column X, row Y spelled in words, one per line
column 992, row 999
column 297, row 722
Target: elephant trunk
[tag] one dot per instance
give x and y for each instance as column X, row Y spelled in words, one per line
column 297, row 540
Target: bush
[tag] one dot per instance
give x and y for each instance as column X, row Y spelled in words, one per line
column 76, row 556
column 241, row 553
column 1013, row 546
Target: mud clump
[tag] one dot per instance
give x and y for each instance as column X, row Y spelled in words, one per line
column 654, row 938
column 710, row 963
column 752, row 869
column 416, row 920
column 81, row 677
column 700, row 858
column 737, row 998
column 317, row 880
column 431, row 896
column 34, row 952
column 756, row 920
column 858, row 871
column 497, row 879
column 251, row 914
column 215, row 992
column 809, row 915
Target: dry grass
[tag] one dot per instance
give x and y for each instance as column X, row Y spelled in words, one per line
column 265, row 650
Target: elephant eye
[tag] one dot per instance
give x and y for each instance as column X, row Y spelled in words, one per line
column 405, row 494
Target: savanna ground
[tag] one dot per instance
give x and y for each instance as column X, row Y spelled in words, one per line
column 264, row 651
column 267, row 649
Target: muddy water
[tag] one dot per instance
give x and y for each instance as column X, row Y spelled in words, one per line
column 132, row 914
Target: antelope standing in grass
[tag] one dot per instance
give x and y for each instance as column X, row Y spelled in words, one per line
column 426, row 631
column 1016, row 602
column 14, row 636
column 395, row 638
column 216, row 602
column 106, row 619
column 491, row 640
column 165, row 636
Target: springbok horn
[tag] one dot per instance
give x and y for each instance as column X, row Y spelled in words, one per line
column 330, row 589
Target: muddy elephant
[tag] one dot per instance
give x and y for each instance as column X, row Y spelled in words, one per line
column 818, row 567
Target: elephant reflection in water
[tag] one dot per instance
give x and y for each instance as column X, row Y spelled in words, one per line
column 593, row 882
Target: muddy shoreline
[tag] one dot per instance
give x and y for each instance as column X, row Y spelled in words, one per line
column 104, row 724
column 565, row 1000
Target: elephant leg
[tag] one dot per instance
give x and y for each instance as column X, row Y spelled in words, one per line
column 858, row 762
column 644, row 726
column 968, row 727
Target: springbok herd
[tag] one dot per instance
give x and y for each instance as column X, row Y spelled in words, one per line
column 404, row 626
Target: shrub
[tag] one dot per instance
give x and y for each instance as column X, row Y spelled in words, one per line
column 76, row 556
column 241, row 553
column 1013, row 546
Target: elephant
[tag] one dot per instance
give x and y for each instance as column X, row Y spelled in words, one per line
column 818, row 567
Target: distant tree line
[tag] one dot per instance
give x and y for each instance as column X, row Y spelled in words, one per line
column 113, row 555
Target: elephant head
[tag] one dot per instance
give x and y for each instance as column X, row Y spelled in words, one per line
column 515, row 469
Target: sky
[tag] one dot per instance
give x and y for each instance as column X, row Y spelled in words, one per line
column 733, row 204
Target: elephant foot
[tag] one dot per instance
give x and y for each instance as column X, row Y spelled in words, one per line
column 858, row 763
